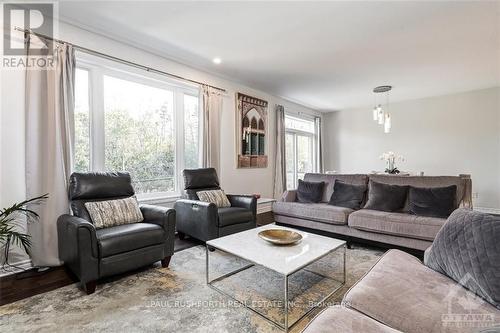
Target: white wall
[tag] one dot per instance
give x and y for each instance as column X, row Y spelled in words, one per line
column 445, row 135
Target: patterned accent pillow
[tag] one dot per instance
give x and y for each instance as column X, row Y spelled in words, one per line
column 218, row 197
column 111, row 213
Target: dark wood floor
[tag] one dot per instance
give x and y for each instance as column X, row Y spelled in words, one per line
column 25, row 284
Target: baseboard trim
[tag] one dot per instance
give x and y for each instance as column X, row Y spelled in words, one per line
column 20, row 267
column 488, row 210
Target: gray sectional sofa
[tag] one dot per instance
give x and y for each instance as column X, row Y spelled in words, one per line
column 400, row 294
column 394, row 228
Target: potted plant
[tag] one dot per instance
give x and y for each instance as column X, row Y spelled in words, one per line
column 390, row 159
column 9, row 219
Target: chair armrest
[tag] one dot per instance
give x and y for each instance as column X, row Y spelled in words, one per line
column 289, row 196
column 244, row 201
column 165, row 218
column 78, row 246
column 197, row 218
column 162, row 216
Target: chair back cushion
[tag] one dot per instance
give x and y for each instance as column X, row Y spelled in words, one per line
column 110, row 213
column 196, row 180
column 467, row 250
column 97, row 186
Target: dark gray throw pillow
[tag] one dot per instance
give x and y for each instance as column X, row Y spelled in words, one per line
column 432, row 202
column 467, row 250
column 385, row 197
column 347, row 195
column 309, row 192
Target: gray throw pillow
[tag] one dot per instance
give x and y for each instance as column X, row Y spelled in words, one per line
column 387, row 198
column 467, row 250
column 347, row 195
column 433, row 201
column 217, row 197
column 110, row 213
column 309, row 192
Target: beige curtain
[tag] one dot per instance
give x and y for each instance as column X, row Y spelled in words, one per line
column 319, row 144
column 280, row 171
column 49, row 146
column 212, row 110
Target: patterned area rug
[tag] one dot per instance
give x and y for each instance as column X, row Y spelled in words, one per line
column 177, row 299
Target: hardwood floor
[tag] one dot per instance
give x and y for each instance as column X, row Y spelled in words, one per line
column 32, row 282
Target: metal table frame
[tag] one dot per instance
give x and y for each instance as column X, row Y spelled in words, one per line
column 286, row 327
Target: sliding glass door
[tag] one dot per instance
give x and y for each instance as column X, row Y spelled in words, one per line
column 299, row 149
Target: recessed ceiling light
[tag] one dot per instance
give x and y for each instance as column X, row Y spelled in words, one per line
column 217, row 60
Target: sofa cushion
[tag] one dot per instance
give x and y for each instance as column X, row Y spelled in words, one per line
column 427, row 181
column 432, row 201
column 128, row 237
column 387, row 198
column 467, row 249
column 233, row 215
column 347, row 195
column 339, row 319
column 316, row 212
column 404, row 294
column 309, row 191
column 397, row 224
column 329, row 180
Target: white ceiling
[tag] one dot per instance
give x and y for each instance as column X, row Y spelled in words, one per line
column 326, row 55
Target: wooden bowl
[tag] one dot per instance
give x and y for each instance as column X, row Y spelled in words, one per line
column 280, row 236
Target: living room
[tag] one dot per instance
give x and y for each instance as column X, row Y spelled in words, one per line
column 168, row 146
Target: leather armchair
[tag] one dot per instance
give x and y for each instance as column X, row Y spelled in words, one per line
column 203, row 220
column 92, row 253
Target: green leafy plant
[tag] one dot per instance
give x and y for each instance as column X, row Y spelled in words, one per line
column 8, row 222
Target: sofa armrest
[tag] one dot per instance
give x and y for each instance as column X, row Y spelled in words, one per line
column 197, row 218
column 244, row 201
column 165, row 218
column 78, row 246
column 289, row 196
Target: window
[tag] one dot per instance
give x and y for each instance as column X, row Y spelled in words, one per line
column 126, row 120
column 300, row 149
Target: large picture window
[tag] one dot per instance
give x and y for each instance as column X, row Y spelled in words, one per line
column 300, row 149
column 131, row 121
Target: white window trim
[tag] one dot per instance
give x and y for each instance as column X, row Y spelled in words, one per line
column 97, row 69
column 313, row 147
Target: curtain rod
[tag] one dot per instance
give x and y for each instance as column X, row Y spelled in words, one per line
column 123, row 61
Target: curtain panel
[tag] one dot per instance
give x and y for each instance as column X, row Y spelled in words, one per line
column 319, row 144
column 211, row 114
column 280, row 171
column 49, row 103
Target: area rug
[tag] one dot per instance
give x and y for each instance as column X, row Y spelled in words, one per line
column 177, row 299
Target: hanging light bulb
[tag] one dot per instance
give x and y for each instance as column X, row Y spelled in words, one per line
column 379, row 107
column 387, row 123
column 375, row 114
column 381, row 117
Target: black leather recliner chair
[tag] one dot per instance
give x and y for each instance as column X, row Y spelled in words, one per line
column 203, row 220
column 92, row 254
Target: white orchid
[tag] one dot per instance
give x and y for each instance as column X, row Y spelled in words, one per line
column 390, row 159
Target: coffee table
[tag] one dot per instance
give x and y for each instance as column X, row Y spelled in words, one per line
column 284, row 261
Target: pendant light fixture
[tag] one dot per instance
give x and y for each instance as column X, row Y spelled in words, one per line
column 381, row 114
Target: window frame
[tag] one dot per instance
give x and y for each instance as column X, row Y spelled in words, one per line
column 97, row 68
column 313, row 145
